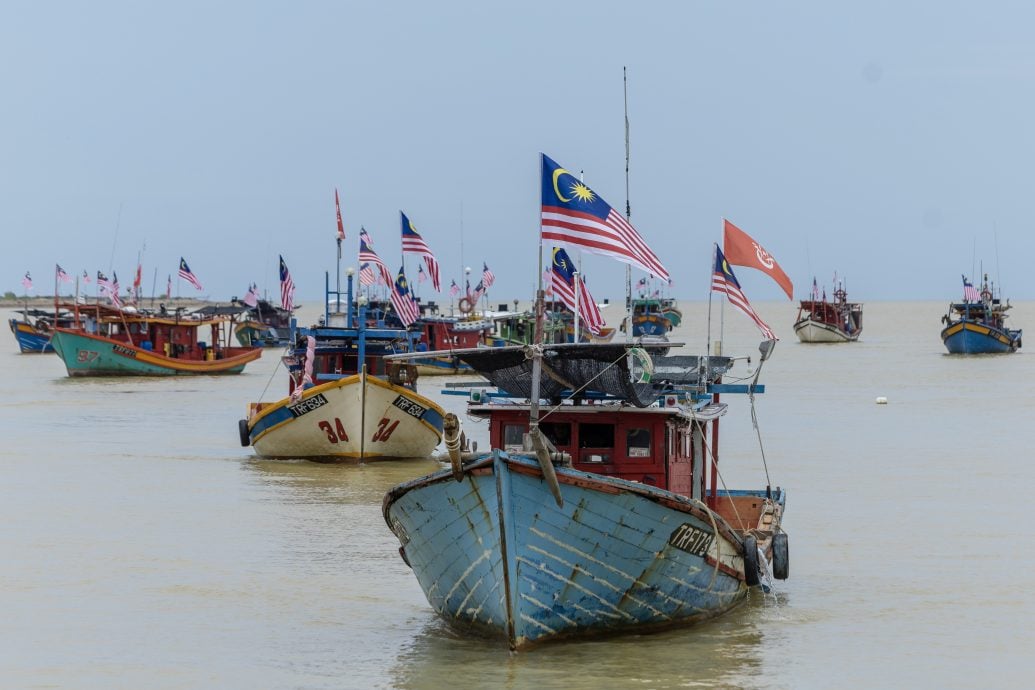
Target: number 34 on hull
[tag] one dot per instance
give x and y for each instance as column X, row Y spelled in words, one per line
column 354, row 417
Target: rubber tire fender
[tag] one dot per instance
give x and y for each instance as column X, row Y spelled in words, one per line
column 781, row 556
column 242, row 431
column 750, row 561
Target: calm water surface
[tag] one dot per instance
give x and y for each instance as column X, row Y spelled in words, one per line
column 141, row 546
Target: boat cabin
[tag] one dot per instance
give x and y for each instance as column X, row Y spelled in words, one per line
column 659, row 446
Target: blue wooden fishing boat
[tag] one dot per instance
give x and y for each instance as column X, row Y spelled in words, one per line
column 33, row 330
column 602, row 516
column 977, row 325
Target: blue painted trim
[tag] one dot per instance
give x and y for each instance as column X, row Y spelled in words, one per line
column 735, row 388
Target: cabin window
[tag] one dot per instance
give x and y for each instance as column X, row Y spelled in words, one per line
column 637, row 443
column 558, row 433
column 596, row 437
column 513, row 438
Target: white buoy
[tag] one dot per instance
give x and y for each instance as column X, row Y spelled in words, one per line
column 881, row 400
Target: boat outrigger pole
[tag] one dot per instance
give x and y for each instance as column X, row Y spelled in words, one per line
column 628, row 213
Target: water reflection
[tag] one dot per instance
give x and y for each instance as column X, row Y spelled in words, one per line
column 302, row 481
column 728, row 652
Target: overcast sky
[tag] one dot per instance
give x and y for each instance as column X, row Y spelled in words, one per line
column 890, row 142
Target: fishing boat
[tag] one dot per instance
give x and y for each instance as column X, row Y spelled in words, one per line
column 977, row 325
column 267, row 325
column 822, row 321
column 33, row 329
column 448, row 332
column 516, row 328
column 603, row 515
column 127, row 342
column 654, row 317
column 344, row 400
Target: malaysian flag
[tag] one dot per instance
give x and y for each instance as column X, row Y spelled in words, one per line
column 454, row 289
column 421, row 275
column 479, row 290
column 287, row 287
column 573, row 215
column 86, row 277
column 413, row 243
column 366, row 275
column 725, row 282
column 103, row 284
column 187, row 275
column 27, row 281
column 970, row 293
column 563, row 277
column 252, row 298
column 405, row 307
column 114, row 290
column 337, row 209
column 366, row 253
column 815, row 290
column 488, row 277
column 169, row 287
column 61, row 275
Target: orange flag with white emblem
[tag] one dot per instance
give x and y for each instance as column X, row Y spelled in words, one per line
column 741, row 250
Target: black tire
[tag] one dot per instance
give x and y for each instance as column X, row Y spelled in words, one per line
column 781, row 557
column 242, row 430
column 750, row 561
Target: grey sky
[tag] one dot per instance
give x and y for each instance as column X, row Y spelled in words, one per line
column 883, row 140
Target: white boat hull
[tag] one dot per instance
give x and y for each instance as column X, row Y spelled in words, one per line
column 354, row 417
column 810, row 331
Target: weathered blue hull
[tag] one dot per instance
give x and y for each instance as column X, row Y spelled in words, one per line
column 494, row 554
column 653, row 324
column 29, row 338
column 966, row 337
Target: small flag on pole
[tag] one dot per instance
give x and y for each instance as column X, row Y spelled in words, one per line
column 413, row 243
column 405, row 307
column 61, row 275
column 563, row 283
column 454, row 289
column 86, row 277
column 337, row 209
column 488, row 277
column 252, row 298
column 366, row 275
column 186, row 274
column 725, row 282
column 970, row 293
column 287, row 287
column 27, row 281
column 116, row 299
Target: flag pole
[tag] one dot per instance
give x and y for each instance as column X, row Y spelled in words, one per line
column 628, row 210
column 711, row 273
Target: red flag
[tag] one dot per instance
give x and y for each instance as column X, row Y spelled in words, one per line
column 136, row 281
column 337, row 208
column 741, row 250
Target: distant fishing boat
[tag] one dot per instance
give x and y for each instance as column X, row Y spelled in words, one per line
column 440, row 332
column 637, row 535
column 653, row 317
column 977, row 325
column 267, row 325
column 127, row 342
column 822, row 321
column 344, row 401
column 33, row 330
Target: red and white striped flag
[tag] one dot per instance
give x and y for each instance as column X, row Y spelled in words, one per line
column 366, row 275
column 405, row 307
column 488, row 277
column 725, row 282
column 61, row 275
column 113, row 293
column 573, row 215
column 252, row 298
column 27, row 281
column 287, row 287
column 970, row 293
column 367, row 254
column 186, row 274
column 454, row 289
column 413, row 243
column 86, row 277
column 563, row 277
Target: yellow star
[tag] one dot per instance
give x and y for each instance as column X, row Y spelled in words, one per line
column 582, row 192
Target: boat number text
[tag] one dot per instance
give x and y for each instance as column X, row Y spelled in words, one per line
column 691, row 539
column 334, row 433
column 124, row 351
column 409, row 407
column 86, row 356
column 308, row 405
column 384, row 429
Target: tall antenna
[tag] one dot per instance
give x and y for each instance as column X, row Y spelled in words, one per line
column 628, row 211
column 118, row 222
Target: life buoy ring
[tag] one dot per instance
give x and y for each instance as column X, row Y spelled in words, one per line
column 465, row 305
column 986, row 295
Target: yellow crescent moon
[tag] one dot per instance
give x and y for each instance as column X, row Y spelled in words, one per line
column 556, row 190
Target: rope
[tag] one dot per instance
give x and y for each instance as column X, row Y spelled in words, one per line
column 754, row 421
column 270, row 380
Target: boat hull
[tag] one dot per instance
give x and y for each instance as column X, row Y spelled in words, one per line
column 651, row 324
column 812, row 331
column 30, row 339
column 85, row 354
column 441, row 366
column 353, row 417
column 495, row 555
column 971, row 338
